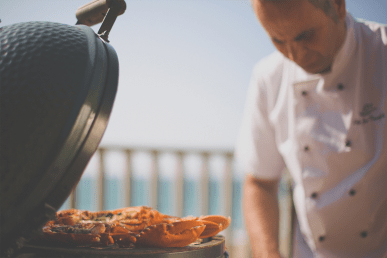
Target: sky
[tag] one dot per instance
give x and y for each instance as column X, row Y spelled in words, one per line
column 185, row 65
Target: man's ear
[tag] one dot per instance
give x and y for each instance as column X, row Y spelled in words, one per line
column 339, row 6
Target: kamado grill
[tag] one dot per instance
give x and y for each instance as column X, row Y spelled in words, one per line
column 58, row 84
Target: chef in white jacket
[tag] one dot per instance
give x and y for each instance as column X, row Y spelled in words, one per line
column 318, row 107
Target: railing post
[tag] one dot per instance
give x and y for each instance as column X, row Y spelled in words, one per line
column 72, row 198
column 179, row 184
column 290, row 213
column 154, row 182
column 101, row 180
column 204, row 191
column 128, row 177
column 227, row 194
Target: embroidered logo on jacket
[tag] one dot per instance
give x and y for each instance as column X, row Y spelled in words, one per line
column 367, row 116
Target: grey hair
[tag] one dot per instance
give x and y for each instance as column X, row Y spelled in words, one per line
column 325, row 5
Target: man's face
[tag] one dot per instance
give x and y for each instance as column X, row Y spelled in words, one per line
column 303, row 32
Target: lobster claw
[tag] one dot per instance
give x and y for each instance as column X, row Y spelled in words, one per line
column 214, row 224
column 176, row 234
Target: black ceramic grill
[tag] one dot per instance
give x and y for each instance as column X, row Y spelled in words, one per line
column 58, row 84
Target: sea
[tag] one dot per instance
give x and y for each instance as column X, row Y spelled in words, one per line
column 87, row 197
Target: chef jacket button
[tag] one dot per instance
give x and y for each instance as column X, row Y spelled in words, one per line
column 364, row 234
column 340, row 86
column 352, row 192
column 306, row 148
column 321, row 238
column 314, row 195
column 348, row 143
column 304, row 93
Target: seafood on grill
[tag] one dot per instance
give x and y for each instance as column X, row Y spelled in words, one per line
column 139, row 226
column 176, row 234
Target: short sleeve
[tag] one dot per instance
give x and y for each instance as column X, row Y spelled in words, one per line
column 256, row 151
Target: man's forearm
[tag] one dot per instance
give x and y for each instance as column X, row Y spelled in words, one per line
column 262, row 216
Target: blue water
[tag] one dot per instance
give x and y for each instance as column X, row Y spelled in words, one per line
column 86, row 196
column 215, row 201
column 191, row 198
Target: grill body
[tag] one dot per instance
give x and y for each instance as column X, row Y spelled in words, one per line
column 58, row 84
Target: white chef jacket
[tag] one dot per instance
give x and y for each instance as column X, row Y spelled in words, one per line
column 329, row 131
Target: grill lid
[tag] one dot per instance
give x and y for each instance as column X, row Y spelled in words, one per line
column 58, row 84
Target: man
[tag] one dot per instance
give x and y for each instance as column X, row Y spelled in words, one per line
column 318, row 107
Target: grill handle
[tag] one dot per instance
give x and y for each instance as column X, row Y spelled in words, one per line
column 97, row 11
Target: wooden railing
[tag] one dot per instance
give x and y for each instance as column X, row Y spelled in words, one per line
column 236, row 250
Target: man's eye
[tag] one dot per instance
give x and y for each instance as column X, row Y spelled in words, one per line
column 305, row 36
column 308, row 36
column 277, row 41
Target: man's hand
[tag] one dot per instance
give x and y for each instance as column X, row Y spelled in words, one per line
column 262, row 216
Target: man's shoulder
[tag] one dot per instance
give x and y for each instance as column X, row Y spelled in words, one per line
column 271, row 64
column 270, row 67
column 372, row 32
column 268, row 77
column 374, row 26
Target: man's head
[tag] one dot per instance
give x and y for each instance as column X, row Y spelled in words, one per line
column 309, row 32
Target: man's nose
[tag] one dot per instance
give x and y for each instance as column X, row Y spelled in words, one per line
column 295, row 52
